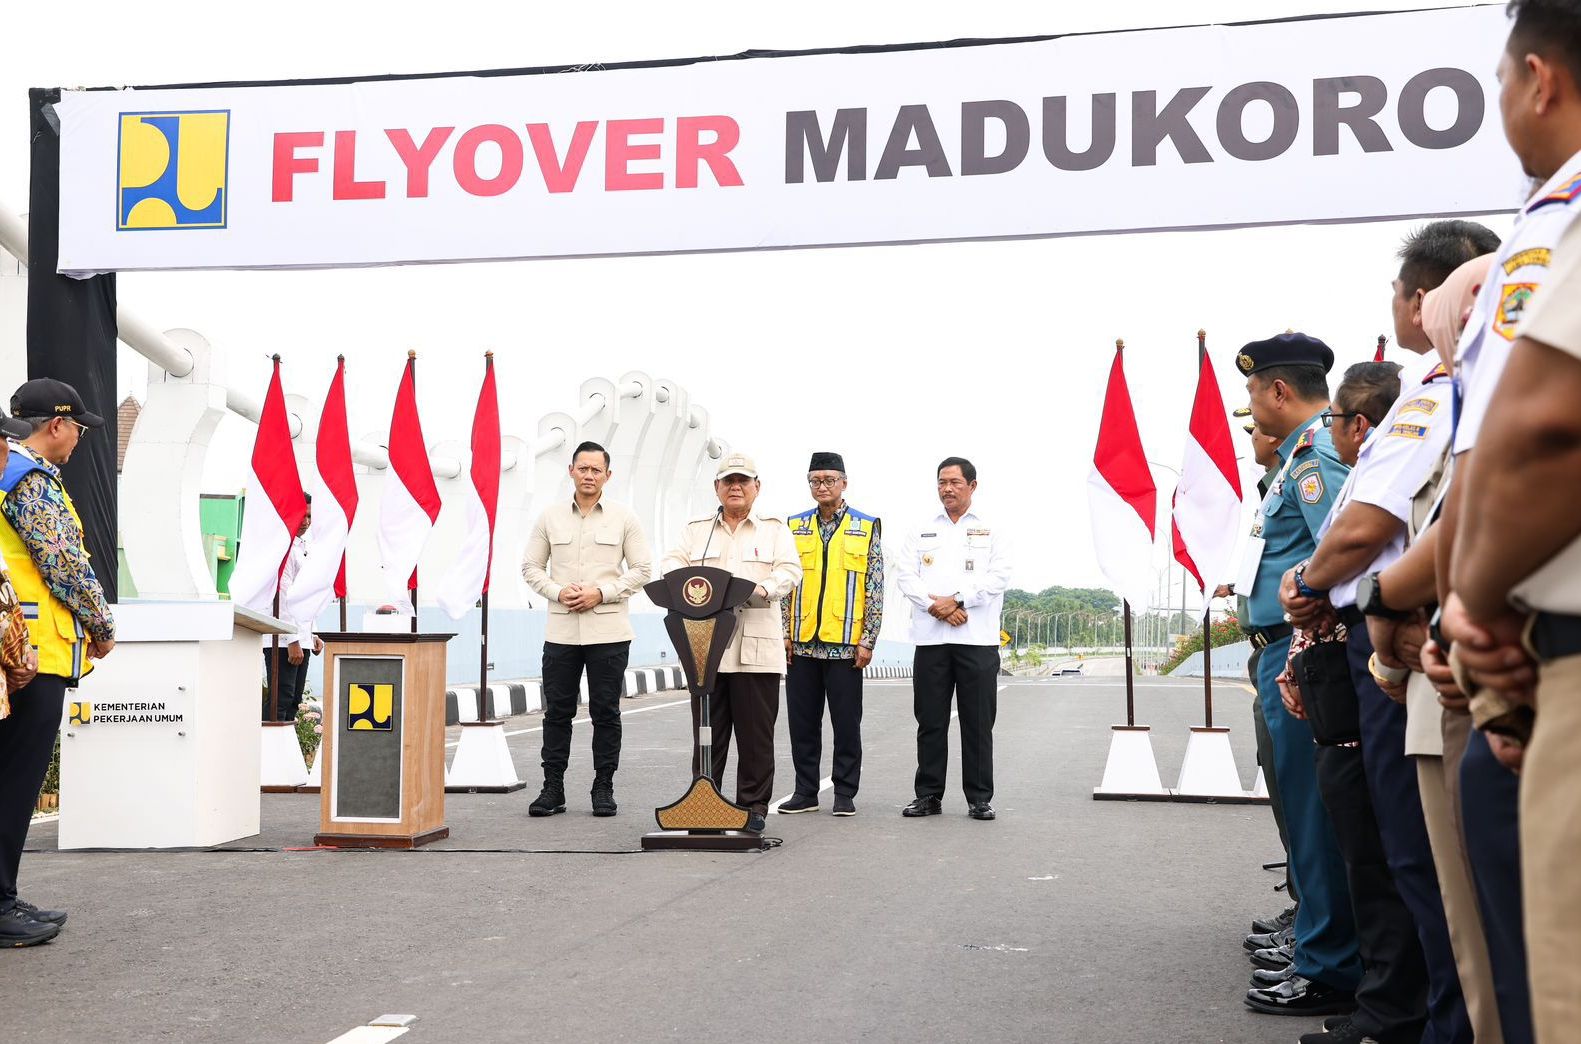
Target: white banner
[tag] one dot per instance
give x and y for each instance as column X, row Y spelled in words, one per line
column 1332, row 119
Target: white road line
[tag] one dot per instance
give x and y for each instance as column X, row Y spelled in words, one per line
column 584, row 721
column 370, row 1035
column 828, row 781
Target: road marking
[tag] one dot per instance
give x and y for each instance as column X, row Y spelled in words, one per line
column 584, row 721
column 828, row 781
column 370, row 1035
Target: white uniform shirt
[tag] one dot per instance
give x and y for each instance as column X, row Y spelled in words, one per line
column 969, row 559
column 1520, row 268
column 293, row 565
column 1398, row 458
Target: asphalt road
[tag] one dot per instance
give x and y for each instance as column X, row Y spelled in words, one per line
column 1064, row 920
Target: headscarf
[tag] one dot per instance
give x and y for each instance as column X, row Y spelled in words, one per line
column 1446, row 307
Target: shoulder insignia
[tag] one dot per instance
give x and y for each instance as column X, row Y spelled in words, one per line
column 1308, row 438
column 1512, row 306
column 1418, row 405
column 1311, row 487
column 1565, row 193
column 1536, row 256
column 1408, row 431
column 1437, row 373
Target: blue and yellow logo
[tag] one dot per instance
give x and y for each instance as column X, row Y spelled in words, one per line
column 80, row 714
column 371, row 708
column 173, row 167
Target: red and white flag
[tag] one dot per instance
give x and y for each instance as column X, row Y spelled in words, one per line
column 1207, row 505
column 411, row 500
column 274, row 509
column 469, row 576
column 334, row 508
column 1121, row 494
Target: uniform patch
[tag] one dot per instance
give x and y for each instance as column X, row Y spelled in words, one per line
column 1305, row 467
column 1312, row 487
column 1437, row 373
column 1427, row 406
column 1512, row 306
column 1539, row 256
column 1408, row 431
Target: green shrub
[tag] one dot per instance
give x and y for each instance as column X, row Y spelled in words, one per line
column 1225, row 632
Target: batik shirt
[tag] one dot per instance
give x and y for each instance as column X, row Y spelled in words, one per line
column 872, row 614
column 37, row 510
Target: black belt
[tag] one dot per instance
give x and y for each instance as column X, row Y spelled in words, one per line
column 1555, row 635
column 1350, row 616
column 1262, row 637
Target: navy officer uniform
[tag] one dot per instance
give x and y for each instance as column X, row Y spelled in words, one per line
column 1310, row 476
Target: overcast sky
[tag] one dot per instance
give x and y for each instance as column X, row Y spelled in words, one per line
column 902, row 355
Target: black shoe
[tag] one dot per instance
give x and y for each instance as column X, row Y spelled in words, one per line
column 756, row 823
column 1275, row 958
column 1269, row 940
column 48, row 916
column 1337, row 1029
column 981, row 810
column 550, row 801
column 798, row 803
column 1300, row 996
column 603, row 797
column 923, row 806
column 1264, row 925
column 18, row 929
column 843, row 806
column 1262, row 978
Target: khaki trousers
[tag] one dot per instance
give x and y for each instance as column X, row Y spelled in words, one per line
column 1551, row 852
column 1466, row 936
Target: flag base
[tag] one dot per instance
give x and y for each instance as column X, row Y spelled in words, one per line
column 482, row 764
column 1131, row 773
column 1259, row 789
column 1208, row 772
column 315, row 775
column 282, row 768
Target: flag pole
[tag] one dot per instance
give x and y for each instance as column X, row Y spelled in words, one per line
column 411, row 364
column 274, row 664
column 1130, row 673
column 485, row 697
column 1207, row 611
column 340, row 364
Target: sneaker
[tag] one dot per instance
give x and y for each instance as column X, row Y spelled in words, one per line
column 549, row 802
column 756, row 823
column 798, row 803
column 48, row 916
column 843, row 806
column 17, row 929
column 603, row 796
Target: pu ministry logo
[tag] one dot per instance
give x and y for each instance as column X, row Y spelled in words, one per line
column 371, row 708
column 172, row 170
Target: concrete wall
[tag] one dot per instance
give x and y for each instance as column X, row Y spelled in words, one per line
column 1229, row 661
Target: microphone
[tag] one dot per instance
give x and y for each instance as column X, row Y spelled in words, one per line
column 717, row 514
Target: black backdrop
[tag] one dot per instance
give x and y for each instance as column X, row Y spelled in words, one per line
column 71, row 337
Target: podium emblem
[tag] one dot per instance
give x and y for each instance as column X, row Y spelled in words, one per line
column 371, row 708
column 698, row 591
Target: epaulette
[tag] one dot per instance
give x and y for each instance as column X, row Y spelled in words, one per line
column 1565, row 193
column 1437, row 373
column 1306, row 441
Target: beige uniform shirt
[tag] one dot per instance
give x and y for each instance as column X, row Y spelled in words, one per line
column 761, row 550
column 568, row 547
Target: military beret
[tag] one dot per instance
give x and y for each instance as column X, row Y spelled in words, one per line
column 1287, row 349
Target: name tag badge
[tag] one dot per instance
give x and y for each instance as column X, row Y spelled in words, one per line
column 970, row 565
column 1253, row 557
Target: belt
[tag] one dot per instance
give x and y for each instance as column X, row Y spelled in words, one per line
column 1262, row 637
column 1554, row 636
column 1350, row 616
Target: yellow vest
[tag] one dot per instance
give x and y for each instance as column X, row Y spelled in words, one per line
column 53, row 629
column 832, row 599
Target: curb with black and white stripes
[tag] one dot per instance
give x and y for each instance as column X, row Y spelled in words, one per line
column 511, row 698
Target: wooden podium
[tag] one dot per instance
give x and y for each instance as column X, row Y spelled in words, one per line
column 384, row 741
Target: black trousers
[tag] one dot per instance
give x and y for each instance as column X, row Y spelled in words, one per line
column 1391, row 776
column 563, row 665
column 1491, row 818
column 1391, row 999
column 27, row 739
column 969, row 673
column 746, row 705
column 293, row 681
column 809, row 683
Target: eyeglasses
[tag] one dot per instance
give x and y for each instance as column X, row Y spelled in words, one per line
column 1330, row 416
column 825, row 483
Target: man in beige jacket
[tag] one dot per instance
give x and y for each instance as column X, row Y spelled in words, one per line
column 585, row 556
column 746, row 697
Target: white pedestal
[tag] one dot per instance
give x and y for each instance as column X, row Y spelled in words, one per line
column 1208, row 770
column 482, row 763
column 1131, row 771
column 282, row 767
column 1259, row 788
column 160, row 744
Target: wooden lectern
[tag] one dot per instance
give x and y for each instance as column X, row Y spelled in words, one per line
column 384, row 741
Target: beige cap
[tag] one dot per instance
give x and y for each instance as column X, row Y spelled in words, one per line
column 737, row 464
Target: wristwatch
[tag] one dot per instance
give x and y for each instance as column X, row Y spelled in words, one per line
column 1369, row 599
column 1301, row 584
